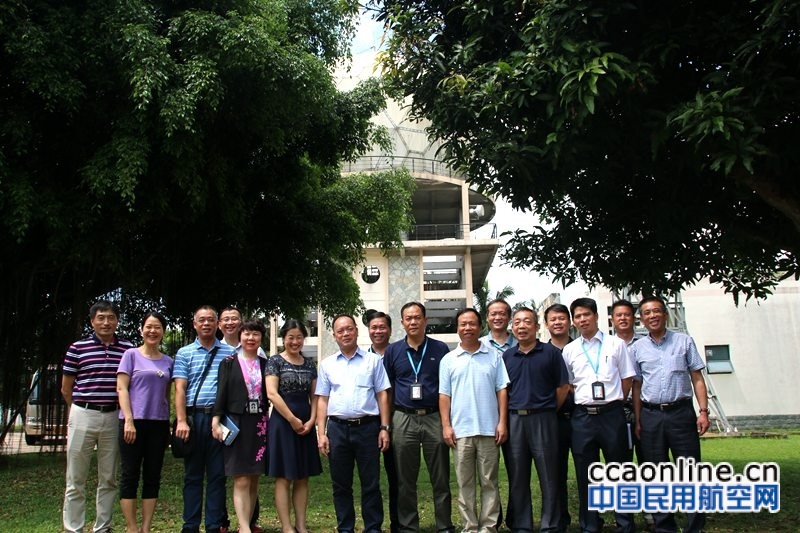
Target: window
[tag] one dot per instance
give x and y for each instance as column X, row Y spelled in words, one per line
column 718, row 359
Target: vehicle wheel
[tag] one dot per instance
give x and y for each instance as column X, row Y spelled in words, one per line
column 31, row 440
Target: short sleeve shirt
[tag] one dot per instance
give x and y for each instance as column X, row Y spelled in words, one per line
column 149, row 380
column 94, row 366
column 190, row 362
column 352, row 384
column 666, row 367
column 602, row 358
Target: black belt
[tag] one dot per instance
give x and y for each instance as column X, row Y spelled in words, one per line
column 422, row 411
column 205, row 409
column 526, row 412
column 599, row 409
column 667, row 406
column 102, row 407
column 354, row 421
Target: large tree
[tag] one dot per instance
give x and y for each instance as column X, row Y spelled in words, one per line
column 186, row 152
column 656, row 141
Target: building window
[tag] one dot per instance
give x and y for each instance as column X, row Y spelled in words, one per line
column 370, row 274
column 718, row 359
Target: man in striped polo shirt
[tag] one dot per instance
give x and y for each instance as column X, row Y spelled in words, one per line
column 206, row 461
column 89, row 386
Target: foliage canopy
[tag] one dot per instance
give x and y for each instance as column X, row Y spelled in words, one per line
column 187, row 152
column 656, row 141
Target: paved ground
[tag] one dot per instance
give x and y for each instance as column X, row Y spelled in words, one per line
column 15, row 443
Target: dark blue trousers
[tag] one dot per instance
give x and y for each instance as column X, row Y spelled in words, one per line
column 355, row 446
column 591, row 434
column 671, row 431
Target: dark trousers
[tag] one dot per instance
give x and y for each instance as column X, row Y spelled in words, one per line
column 591, row 434
column 533, row 439
column 144, row 456
column 671, row 431
column 564, row 446
column 411, row 433
column 391, row 480
column 355, row 446
column 206, row 461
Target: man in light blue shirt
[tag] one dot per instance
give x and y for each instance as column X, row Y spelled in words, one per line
column 668, row 371
column 498, row 316
column 353, row 425
column 473, row 405
column 195, row 377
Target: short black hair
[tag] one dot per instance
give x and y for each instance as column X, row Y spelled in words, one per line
column 527, row 310
column 583, row 302
column 378, row 314
column 291, row 324
column 499, row 301
column 557, row 308
column 252, row 324
column 158, row 316
column 654, row 298
column 470, row 310
column 622, row 303
column 412, row 304
column 103, row 305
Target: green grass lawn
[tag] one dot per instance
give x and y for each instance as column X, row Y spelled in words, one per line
column 32, row 488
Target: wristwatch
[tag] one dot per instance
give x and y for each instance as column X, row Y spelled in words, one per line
column 387, row 428
column 704, row 410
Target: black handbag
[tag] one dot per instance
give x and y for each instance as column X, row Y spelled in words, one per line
column 184, row 448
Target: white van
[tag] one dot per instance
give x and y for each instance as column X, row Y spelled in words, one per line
column 46, row 412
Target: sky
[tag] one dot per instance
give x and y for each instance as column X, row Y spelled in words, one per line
column 527, row 284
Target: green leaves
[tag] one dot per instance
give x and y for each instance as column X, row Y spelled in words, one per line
column 634, row 130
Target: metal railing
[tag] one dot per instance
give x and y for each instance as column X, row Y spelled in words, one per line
column 434, row 232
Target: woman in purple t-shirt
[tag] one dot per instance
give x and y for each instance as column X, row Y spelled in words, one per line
column 143, row 380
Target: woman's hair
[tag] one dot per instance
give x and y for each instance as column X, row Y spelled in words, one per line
column 158, row 316
column 251, row 324
column 291, row 324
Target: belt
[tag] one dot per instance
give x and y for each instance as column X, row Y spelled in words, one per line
column 422, row 411
column 102, row 407
column 354, row 421
column 526, row 412
column 667, row 406
column 205, row 409
column 599, row 409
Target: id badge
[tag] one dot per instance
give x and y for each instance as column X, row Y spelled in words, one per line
column 598, row 391
column 252, row 407
column 416, row 391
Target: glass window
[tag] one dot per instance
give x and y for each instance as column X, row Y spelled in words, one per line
column 718, row 359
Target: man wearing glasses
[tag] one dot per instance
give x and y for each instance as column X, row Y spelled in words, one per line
column 668, row 369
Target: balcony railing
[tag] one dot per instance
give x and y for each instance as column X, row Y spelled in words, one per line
column 433, row 232
column 413, row 164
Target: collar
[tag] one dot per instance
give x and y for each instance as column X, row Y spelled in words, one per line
column 600, row 336
column 359, row 353
column 482, row 348
column 538, row 347
column 663, row 339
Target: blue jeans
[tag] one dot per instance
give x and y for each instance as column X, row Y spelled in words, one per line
column 355, row 446
column 206, row 461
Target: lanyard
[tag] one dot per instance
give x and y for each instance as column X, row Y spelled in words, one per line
column 251, row 371
column 417, row 368
column 596, row 363
column 497, row 345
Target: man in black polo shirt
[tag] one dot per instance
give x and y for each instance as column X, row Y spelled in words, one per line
column 412, row 364
column 89, row 386
column 538, row 386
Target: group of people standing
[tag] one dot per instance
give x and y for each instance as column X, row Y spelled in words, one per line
column 119, row 398
column 412, row 400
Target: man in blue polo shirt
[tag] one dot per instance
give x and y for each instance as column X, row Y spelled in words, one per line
column 89, row 386
column 195, row 376
column 538, row 386
column 412, row 364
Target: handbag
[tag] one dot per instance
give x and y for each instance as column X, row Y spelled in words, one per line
column 184, row 448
